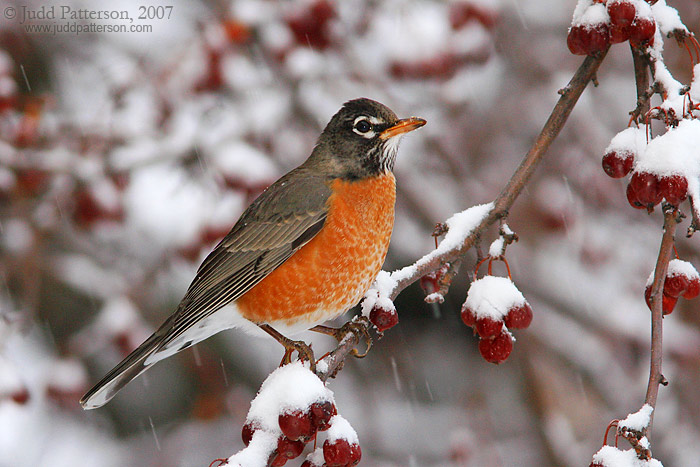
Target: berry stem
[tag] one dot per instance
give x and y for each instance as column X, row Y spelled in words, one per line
column 665, row 254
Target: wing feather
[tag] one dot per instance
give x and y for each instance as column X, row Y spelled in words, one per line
column 266, row 235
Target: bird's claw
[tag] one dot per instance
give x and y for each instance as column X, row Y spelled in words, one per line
column 358, row 327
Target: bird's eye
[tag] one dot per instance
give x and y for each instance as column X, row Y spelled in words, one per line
column 363, row 126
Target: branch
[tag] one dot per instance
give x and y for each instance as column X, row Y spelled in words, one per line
column 665, row 253
column 569, row 96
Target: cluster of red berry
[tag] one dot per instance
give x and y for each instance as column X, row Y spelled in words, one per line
column 682, row 280
column 493, row 306
column 298, row 428
column 606, row 22
column 645, row 189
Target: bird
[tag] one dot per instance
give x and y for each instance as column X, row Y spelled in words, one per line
column 304, row 252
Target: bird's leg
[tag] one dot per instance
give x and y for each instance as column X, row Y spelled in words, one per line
column 356, row 326
column 290, row 346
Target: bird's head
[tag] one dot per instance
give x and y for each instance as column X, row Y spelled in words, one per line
column 361, row 140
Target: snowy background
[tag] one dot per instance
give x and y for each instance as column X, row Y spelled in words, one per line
column 124, row 157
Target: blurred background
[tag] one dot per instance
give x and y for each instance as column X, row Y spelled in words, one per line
column 125, row 157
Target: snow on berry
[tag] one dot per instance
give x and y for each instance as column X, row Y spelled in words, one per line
column 682, row 279
column 589, row 32
column 342, row 447
column 610, row 456
column 492, row 297
column 341, row 428
column 688, row 275
column 674, row 153
column 291, row 389
column 378, row 295
column 315, row 459
column 620, row 154
column 256, row 454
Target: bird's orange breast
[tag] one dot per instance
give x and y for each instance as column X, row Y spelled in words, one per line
column 331, row 272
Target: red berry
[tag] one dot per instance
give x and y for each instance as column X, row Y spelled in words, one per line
column 644, row 188
column 617, row 165
column 20, row 396
column 288, row 448
column 632, row 198
column 355, row 454
column 468, row 316
column 310, row 26
column 383, row 319
column 276, row 460
column 321, row 414
column 674, row 188
column 619, row 34
column 488, row 327
column 296, row 425
column 496, row 349
column 621, row 12
column 337, row 453
column 247, row 433
column 588, row 40
column 642, row 31
column 31, row 182
column 675, row 285
column 461, row 13
column 693, row 289
column 237, row 31
column 519, row 317
column 668, row 303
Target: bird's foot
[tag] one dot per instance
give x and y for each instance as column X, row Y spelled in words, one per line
column 357, row 327
column 290, row 346
column 302, row 349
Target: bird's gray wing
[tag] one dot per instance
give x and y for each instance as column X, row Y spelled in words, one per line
column 283, row 219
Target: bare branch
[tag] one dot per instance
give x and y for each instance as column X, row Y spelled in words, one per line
column 665, row 252
column 569, row 96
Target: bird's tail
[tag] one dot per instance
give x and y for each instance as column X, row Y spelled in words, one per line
column 129, row 368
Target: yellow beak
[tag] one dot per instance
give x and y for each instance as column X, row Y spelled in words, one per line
column 402, row 126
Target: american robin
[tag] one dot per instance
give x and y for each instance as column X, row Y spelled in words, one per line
column 305, row 251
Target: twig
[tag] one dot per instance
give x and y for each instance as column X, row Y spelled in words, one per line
column 640, row 59
column 569, row 96
column 665, row 254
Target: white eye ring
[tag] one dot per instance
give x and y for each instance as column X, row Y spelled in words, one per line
column 364, row 126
